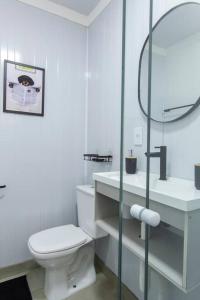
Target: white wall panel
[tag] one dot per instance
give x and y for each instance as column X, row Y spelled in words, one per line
column 104, row 86
column 104, row 93
column 41, row 158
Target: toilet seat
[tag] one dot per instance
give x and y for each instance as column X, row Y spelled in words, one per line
column 58, row 240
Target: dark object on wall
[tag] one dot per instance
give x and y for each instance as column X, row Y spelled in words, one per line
column 197, row 176
column 24, row 88
column 16, row 289
column 98, row 158
column 2, row 186
column 131, row 165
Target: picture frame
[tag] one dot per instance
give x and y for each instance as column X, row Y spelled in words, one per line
column 24, row 89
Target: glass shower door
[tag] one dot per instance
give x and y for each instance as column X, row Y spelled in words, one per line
column 159, row 252
column 174, row 246
column 135, row 141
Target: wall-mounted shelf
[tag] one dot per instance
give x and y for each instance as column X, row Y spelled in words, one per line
column 98, row 158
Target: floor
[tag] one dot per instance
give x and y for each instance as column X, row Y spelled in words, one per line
column 105, row 288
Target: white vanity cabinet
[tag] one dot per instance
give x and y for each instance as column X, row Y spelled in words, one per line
column 175, row 244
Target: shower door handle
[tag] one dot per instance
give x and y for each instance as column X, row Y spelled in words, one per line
column 145, row 215
column 2, row 186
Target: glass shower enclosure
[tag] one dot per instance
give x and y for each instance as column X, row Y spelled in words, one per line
column 159, row 195
column 133, row 234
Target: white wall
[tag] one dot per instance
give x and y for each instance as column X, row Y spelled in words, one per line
column 106, row 54
column 137, row 31
column 104, row 97
column 41, row 158
column 104, row 88
column 183, row 144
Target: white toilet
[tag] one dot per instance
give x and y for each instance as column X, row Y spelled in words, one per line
column 67, row 252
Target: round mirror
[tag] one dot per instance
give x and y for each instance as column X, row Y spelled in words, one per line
column 175, row 65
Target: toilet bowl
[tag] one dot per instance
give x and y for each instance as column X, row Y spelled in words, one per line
column 67, row 255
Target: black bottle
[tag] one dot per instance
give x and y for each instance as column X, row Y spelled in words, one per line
column 131, row 164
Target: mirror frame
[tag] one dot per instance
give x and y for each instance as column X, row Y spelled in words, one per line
column 197, row 103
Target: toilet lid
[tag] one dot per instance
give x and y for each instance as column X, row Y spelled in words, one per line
column 58, row 239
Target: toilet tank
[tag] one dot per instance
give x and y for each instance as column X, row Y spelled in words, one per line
column 86, row 208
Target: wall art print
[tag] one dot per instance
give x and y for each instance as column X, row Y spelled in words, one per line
column 24, row 88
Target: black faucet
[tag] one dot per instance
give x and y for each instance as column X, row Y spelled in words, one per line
column 163, row 160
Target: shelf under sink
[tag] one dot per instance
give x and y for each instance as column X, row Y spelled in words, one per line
column 165, row 247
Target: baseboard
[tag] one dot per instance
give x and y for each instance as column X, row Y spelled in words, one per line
column 18, row 270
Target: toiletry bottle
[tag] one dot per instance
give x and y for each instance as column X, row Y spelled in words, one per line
column 131, row 163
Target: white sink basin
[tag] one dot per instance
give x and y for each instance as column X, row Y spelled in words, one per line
column 175, row 192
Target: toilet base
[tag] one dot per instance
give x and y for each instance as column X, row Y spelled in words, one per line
column 75, row 273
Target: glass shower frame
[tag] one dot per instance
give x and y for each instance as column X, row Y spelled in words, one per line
column 121, row 196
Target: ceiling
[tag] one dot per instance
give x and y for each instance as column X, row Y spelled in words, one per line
column 82, row 12
column 84, row 7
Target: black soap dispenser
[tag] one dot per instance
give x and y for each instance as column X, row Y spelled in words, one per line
column 131, row 163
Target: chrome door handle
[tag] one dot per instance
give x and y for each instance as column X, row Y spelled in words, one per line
column 2, row 186
column 145, row 215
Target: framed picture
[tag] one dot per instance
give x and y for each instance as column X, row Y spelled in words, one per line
column 24, row 88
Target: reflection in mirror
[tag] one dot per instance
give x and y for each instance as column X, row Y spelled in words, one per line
column 175, row 65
